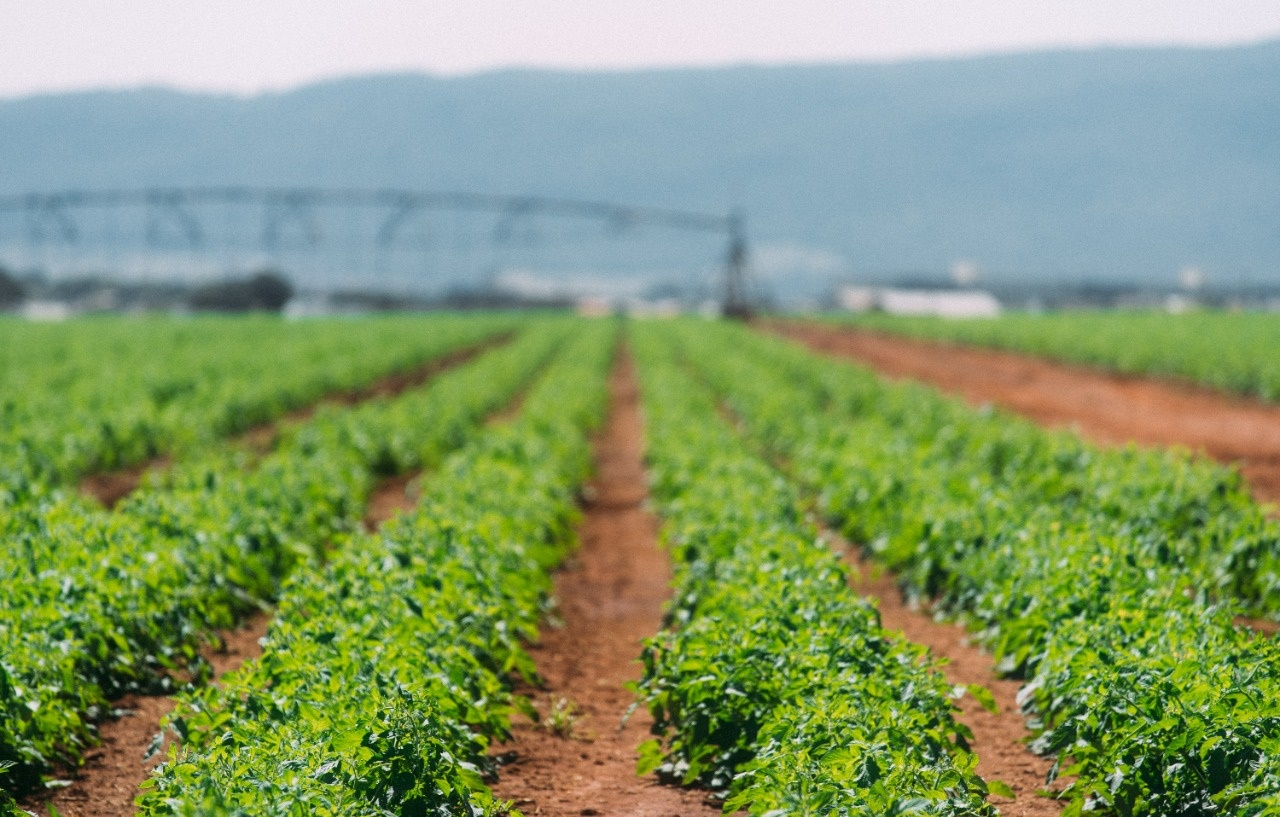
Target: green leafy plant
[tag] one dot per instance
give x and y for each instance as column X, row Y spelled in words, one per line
column 386, row 671
column 1108, row 579
column 562, row 719
column 772, row 683
column 98, row 604
column 106, row 393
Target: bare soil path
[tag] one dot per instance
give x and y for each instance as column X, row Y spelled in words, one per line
column 106, row 785
column 610, row 598
column 398, row 494
column 1105, row 408
column 391, row 496
column 997, row 737
column 108, row 782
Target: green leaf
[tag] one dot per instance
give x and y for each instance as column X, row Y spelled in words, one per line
column 984, row 698
column 1001, row 789
column 650, row 757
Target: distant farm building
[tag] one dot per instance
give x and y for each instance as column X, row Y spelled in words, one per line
column 943, row 303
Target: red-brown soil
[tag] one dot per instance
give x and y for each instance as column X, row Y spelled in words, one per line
column 264, row 437
column 109, row 487
column 997, row 737
column 391, row 496
column 1106, row 408
column 507, row 414
column 399, row 493
column 610, row 598
column 107, row 783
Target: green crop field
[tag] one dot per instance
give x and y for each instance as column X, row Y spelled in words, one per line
column 397, row 662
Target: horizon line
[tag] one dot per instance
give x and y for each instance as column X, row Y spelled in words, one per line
column 604, row 70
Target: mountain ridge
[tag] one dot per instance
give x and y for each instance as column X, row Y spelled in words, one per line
column 1119, row 163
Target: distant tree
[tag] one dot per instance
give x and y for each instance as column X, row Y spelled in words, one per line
column 271, row 290
column 265, row 291
column 12, row 292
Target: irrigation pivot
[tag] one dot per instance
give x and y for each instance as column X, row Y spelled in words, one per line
column 266, row 221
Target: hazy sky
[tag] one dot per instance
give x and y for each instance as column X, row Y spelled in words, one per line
column 251, row 45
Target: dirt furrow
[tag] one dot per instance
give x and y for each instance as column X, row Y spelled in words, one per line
column 1105, row 408
column 391, row 496
column 582, row 760
column 108, row 488
column 107, row 783
column 399, row 493
column 998, row 737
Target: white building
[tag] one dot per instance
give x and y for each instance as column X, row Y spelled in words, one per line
column 942, row 303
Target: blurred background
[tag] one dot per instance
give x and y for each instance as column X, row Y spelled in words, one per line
column 920, row 157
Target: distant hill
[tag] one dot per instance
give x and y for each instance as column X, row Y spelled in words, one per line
column 1122, row 163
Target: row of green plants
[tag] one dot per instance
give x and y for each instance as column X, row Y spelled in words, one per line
column 104, row 393
column 386, row 674
column 772, row 683
column 1234, row 351
column 99, row 603
column 1109, row 580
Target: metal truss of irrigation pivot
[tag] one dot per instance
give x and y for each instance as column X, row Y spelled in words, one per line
column 171, row 214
